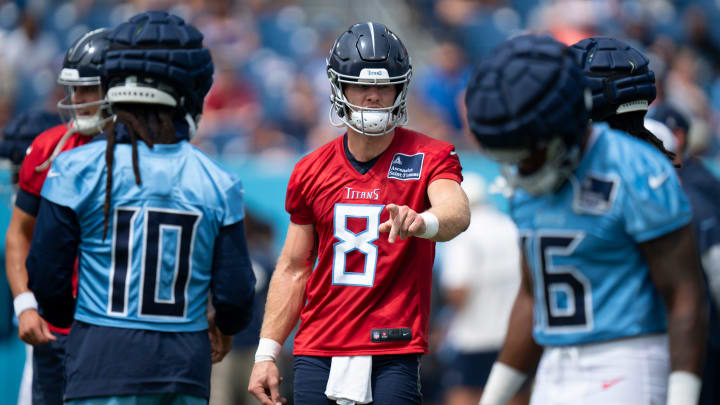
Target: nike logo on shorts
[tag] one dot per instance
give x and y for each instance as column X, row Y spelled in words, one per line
column 608, row 384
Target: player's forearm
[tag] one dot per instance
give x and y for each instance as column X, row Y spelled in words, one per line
column 17, row 246
column 284, row 301
column 449, row 204
column 687, row 329
column 520, row 350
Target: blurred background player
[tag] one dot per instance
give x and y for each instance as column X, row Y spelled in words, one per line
column 84, row 108
column 703, row 190
column 621, row 83
column 365, row 307
column 480, row 276
column 17, row 137
column 606, row 241
column 156, row 225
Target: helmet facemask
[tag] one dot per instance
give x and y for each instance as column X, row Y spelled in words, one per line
column 87, row 118
column 366, row 120
column 560, row 159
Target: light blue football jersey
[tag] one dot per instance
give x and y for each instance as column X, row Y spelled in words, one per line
column 590, row 280
column 153, row 269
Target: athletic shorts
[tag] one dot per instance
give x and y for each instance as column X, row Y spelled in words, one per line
column 395, row 380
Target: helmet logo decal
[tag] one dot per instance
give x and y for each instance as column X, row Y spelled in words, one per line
column 374, row 75
column 632, row 66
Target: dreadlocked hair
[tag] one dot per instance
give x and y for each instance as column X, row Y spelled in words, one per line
column 150, row 124
column 633, row 123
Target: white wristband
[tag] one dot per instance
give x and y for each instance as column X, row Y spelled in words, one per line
column 683, row 388
column 23, row 302
column 503, row 382
column 267, row 350
column 431, row 225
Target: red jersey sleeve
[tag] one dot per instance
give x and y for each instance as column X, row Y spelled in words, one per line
column 30, row 180
column 447, row 165
column 296, row 201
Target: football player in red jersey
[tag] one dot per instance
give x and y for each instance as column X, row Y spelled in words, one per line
column 369, row 207
column 86, row 107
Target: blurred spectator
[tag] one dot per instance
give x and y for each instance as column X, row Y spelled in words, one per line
column 480, row 278
column 440, row 87
column 230, row 112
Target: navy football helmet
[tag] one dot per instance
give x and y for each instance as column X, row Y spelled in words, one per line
column 530, row 97
column 369, row 54
column 81, row 72
column 617, row 74
column 20, row 132
column 156, row 58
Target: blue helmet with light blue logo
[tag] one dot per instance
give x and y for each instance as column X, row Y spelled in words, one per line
column 82, row 67
column 156, row 58
column 618, row 76
column 369, row 54
column 530, row 96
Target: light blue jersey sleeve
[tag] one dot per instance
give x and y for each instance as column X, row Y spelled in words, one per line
column 233, row 210
column 68, row 182
column 654, row 202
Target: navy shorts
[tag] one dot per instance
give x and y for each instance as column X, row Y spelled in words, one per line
column 48, row 380
column 395, row 380
column 469, row 370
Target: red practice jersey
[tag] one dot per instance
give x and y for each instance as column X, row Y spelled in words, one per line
column 40, row 150
column 32, row 181
column 367, row 296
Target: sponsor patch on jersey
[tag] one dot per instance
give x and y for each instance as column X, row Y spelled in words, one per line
column 406, row 167
column 596, row 195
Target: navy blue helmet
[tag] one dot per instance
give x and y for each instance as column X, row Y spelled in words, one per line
column 156, row 58
column 530, row 95
column 370, row 54
column 19, row 133
column 618, row 76
column 82, row 67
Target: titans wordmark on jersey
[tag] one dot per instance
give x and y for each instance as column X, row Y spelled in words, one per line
column 590, row 280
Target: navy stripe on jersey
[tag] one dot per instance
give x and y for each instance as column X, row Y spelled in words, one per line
column 106, row 361
column 28, row 202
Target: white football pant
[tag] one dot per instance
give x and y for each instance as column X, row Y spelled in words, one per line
column 631, row 371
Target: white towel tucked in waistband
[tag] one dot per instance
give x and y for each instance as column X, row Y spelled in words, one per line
column 349, row 380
